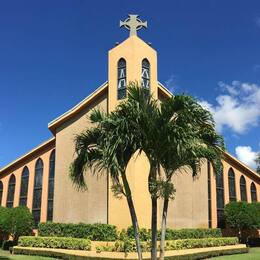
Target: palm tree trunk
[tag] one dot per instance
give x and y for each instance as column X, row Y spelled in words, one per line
column 133, row 215
column 152, row 179
column 163, row 228
column 154, row 229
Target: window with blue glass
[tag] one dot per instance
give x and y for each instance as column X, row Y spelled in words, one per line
column 11, row 190
column 1, row 192
column 121, row 79
column 37, row 192
column 24, row 187
column 220, row 199
column 51, row 186
column 253, row 192
column 232, row 185
column 243, row 192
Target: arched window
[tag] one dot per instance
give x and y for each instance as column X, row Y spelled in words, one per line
column 51, row 186
column 243, row 188
column 11, row 190
column 220, row 199
column 231, row 185
column 253, row 192
column 121, row 79
column 24, row 187
column 37, row 192
column 1, row 192
column 145, row 74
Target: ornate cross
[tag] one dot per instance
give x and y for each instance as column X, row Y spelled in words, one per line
column 133, row 24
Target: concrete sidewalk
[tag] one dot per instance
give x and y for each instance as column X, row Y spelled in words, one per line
column 81, row 254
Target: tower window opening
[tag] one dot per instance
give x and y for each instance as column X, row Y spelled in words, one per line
column 121, row 79
column 145, row 74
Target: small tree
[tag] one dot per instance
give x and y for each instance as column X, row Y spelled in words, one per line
column 17, row 222
column 3, row 217
column 242, row 215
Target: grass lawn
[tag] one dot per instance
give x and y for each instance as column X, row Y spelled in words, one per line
column 254, row 254
column 5, row 255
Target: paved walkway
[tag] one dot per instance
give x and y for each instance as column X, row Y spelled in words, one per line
column 129, row 256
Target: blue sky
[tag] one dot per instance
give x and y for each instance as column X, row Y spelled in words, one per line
column 54, row 53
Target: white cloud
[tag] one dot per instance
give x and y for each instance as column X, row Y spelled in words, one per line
column 246, row 155
column 171, row 83
column 238, row 108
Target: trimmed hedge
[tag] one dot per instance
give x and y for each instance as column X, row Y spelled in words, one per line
column 129, row 245
column 174, row 234
column 200, row 243
column 55, row 242
column 105, row 232
column 94, row 232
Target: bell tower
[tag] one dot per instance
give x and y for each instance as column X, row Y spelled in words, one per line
column 133, row 60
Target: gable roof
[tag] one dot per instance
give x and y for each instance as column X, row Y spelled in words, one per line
column 34, row 151
column 76, row 109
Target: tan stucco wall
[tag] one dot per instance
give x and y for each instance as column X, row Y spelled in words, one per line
column 71, row 205
column 137, row 174
column 17, row 170
column 190, row 207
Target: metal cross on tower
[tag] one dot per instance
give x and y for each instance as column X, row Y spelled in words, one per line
column 133, row 24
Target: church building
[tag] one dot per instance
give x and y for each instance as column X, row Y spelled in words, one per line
column 40, row 178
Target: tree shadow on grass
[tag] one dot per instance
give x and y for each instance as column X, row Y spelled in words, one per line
column 4, row 258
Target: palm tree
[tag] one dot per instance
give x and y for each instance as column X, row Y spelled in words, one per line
column 109, row 146
column 147, row 124
column 177, row 134
column 189, row 138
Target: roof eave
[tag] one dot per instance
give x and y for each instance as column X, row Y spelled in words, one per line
column 41, row 146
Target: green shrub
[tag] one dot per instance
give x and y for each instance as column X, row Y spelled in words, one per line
column 3, row 218
column 243, row 215
column 128, row 245
column 16, row 222
column 200, row 243
column 145, row 234
column 55, row 242
column 94, row 232
column 173, row 234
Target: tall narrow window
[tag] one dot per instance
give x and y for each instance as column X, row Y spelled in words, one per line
column 11, row 190
column 243, row 188
column 145, row 74
column 220, row 199
column 51, row 186
column 231, row 185
column 253, row 192
column 24, row 187
column 121, row 79
column 1, row 192
column 37, row 192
